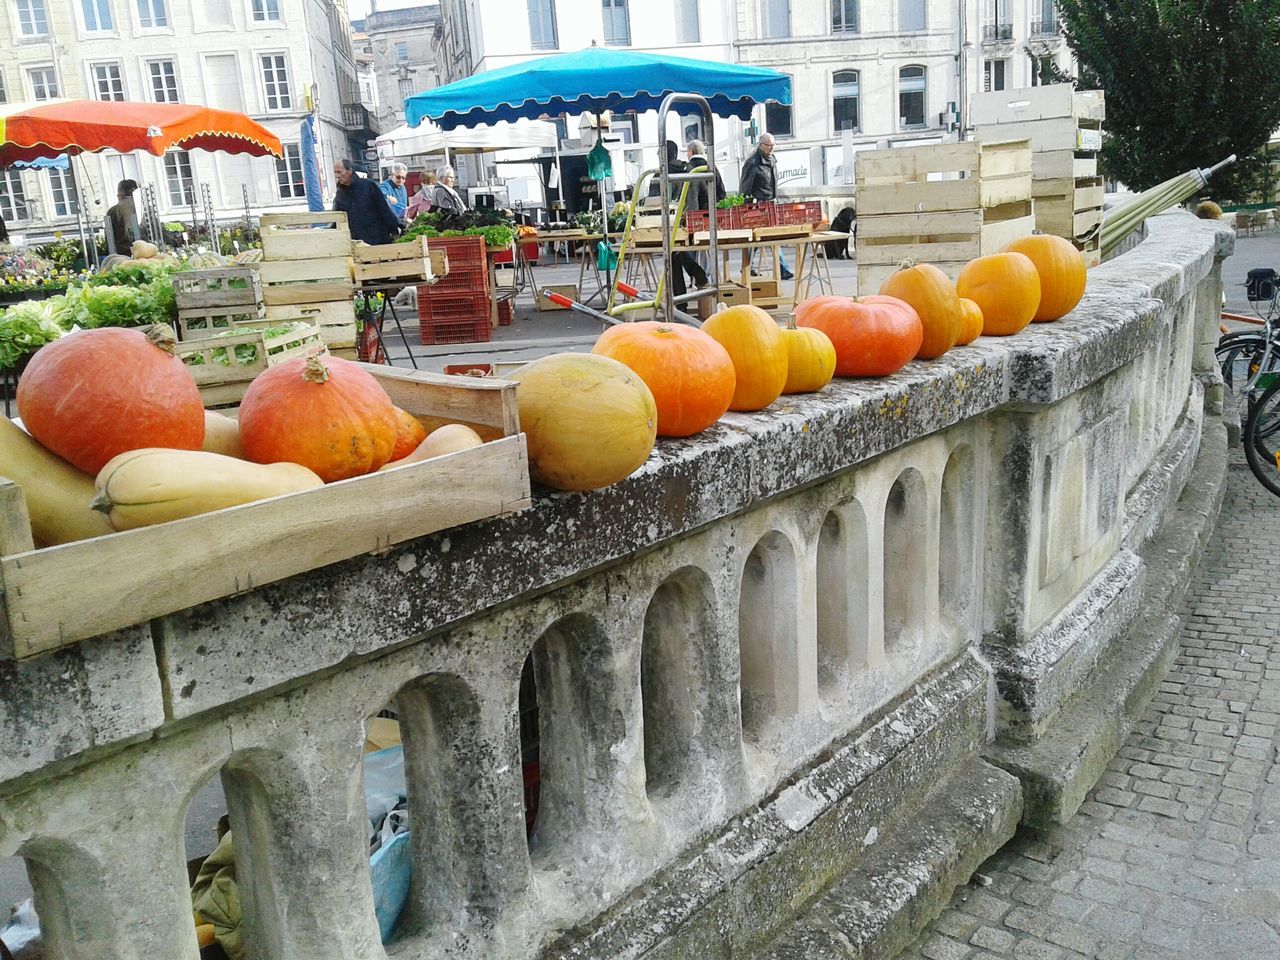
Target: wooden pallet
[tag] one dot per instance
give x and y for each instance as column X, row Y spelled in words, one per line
column 300, row 236
column 196, row 324
column 223, row 374
column 942, row 177
column 221, row 287
column 132, row 577
column 383, row 263
column 947, row 239
column 335, row 318
column 306, row 281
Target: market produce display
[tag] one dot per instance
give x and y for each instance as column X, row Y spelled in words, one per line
column 1006, row 288
column 759, row 353
column 497, row 232
column 932, row 295
column 1061, row 270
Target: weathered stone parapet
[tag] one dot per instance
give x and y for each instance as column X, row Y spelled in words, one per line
column 753, row 663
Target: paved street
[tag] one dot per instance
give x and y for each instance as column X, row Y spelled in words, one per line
column 1176, row 853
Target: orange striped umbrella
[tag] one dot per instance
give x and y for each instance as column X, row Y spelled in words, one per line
column 52, row 127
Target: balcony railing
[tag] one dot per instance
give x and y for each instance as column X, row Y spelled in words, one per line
column 995, row 32
column 1046, row 28
column 356, row 116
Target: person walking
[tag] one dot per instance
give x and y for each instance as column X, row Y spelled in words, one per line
column 369, row 216
column 700, row 198
column 759, row 183
column 393, row 189
column 447, row 200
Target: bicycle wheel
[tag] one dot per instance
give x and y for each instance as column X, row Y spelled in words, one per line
column 1262, row 439
column 1238, row 357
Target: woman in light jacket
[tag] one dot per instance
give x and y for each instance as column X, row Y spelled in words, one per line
column 446, row 199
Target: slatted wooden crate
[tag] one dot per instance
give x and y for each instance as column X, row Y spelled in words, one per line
column 138, row 575
column 221, row 287
column 223, row 373
column 302, row 236
column 384, row 263
column 1069, row 208
column 306, row 281
column 1050, row 102
column 335, row 318
column 196, row 324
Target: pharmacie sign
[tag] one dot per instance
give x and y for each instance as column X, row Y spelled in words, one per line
column 793, row 167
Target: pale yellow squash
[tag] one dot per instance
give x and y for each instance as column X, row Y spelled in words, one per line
column 450, row 438
column 222, row 435
column 57, row 494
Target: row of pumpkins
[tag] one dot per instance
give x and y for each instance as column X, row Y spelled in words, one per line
column 104, row 451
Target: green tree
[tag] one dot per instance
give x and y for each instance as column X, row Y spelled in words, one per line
column 1188, row 82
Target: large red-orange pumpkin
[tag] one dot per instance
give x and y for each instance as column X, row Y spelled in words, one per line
column 95, row 394
column 328, row 414
column 1006, row 288
column 933, row 297
column 873, row 336
column 1061, row 269
column 409, row 433
column 971, row 323
column 759, row 354
column 689, row 373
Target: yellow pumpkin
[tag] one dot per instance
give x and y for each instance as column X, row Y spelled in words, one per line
column 1006, row 288
column 811, row 359
column 933, row 296
column 1061, row 269
column 588, row 420
column 971, row 327
column 758, row 351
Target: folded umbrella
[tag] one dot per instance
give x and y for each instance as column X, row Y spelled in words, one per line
column 1121, row 220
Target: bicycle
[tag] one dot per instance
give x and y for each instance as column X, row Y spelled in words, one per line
column 1248, row 359
column 1262, row 438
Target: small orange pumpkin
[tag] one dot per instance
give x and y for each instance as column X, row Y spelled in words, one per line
column 970, row 322
column 811, row 359
column 327, row 414
column 758, row 351
column 409, row 433
column 1061, row 269
column 1006, row 288
column 690, row 373
column 933, row 296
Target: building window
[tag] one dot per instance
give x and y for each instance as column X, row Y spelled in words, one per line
column 997, row 23
column 289, row 177
column 152, row 14
column 44, row 83
column 217, row 13
column 275, row 80
column 33, row 19
column 844, row 99
column 911, row 15
column 108, row 83
column 406, row 88
column 402, row 52
column 13, row 201
column 1042, row 70
column 777, row 119
column 179, row 178
column 776, row 19
column 66, row 202
column 266, row 11
column 844, row 16
column 164, row 81
column 97, row 15
column 688, row 22
column 911, row 84
column 993, row 72
column 617, row 23
column 1045, row 22
column 543, row 34
column 4, row 91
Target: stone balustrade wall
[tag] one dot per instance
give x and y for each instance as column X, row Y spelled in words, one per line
column 757, row 662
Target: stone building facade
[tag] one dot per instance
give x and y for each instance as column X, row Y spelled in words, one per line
column 400, row 44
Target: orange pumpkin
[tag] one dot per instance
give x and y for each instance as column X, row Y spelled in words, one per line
column 1061, row 269
column 933, row 296
column 811, row 359
column 95, row 394
column 873, row 336
column 1006, row 288
column 971, row 321
column 409, row 433
column 758, row 352
column 690, row 373
column 327, row 414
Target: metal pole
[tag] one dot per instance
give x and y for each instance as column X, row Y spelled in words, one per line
column 81, row 219
column 669, row 300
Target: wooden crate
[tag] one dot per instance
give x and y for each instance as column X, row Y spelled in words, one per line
column 1047, row 136
column 335, row 318
column 223, row 375
column 383, row 263
column 439, row 263
column 1063, row 165
column 222, row 287
column 132, row 577
column 1037, row 103
column 947, row 239
column 1069, row 208
column 944, row 176
column 196, row 324
column 782, row 231
column 301, row 236
column 306, row 281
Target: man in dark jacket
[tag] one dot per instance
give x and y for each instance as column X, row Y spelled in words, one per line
column 759, row 183
column 369, row 217
column 699, row 199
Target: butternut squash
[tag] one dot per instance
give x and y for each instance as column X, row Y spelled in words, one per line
column 450, row 438
column 57, row 494
column 222, row 435
column 155, row 485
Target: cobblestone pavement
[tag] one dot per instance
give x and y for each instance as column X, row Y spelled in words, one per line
column 1176, row 852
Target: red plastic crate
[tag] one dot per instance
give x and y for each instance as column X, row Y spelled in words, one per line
column 442, row 305
column 506, row 312
column 801, row 212
column 455, row 331
column 752, row 215
column 696, row 220
column 462, row 251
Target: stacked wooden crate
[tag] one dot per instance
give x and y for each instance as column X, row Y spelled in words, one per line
column 306, row 273
column 944, row 204
column 1064, row 126
column 209, row 301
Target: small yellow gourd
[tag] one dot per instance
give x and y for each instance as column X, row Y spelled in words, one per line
column 57, row 494
column 811, row 358
column 156, row 485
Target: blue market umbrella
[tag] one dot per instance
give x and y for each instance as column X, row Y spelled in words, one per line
column 595, row 80
column 310, row 164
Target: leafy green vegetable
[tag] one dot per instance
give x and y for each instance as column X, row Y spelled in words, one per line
column 26, row 327
column 732, row 200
